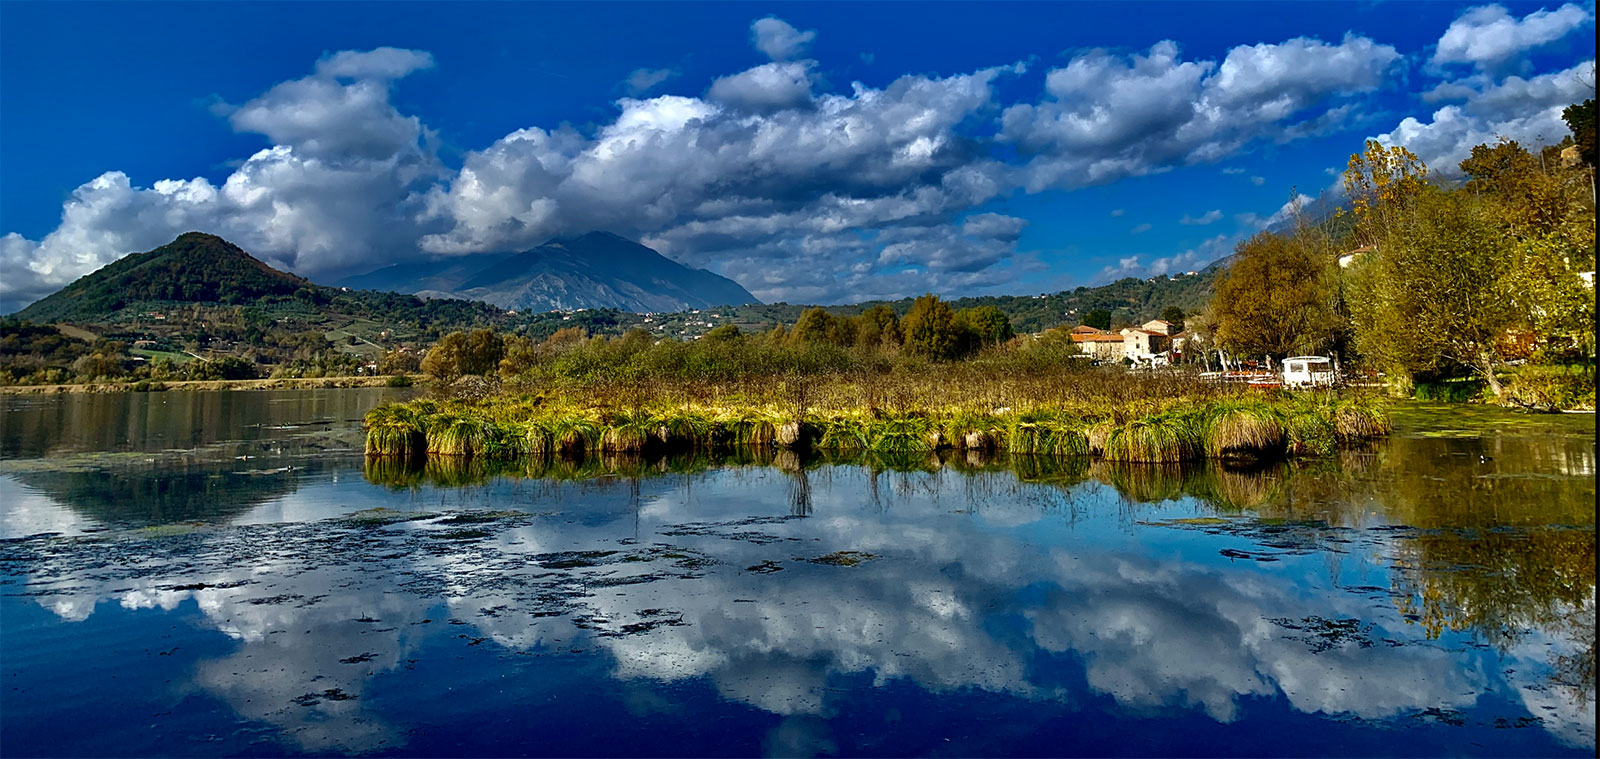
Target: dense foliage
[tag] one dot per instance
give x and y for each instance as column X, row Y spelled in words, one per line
column 1424, row 281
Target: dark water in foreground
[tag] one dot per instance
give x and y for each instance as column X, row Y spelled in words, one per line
column 215, row 573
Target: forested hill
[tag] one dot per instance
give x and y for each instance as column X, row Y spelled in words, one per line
column 1132, row 300
column 201, row 270
column 195, row 268
column 1128, row 300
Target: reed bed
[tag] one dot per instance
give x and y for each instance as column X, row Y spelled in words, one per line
column 1133, row 419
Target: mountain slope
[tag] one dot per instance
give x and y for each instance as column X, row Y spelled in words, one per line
column 444, row 275
column 214, row 276
column 195, row 268
column 595, row 270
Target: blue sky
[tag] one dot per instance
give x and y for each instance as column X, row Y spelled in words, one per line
column 814, row 152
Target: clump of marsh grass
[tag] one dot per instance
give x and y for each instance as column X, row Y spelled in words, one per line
column 452, row 435
column 393, row 430
column 1245, row 428
column 1359, row 418
column 573, row 434
column 1164, row 437
column 899, row 434
column 1046, row 437
column 1096, row 435
column 1310, row 426
column 628, row 432
column 841, row 434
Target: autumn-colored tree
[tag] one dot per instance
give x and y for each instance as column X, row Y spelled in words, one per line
column 562, row 339
column 1531, row 196
column 1379, row 182
column 818, row 327
column 1276, row 299
column 930, row 329
column 399, row 361
column 443, row 360
column 481, row 353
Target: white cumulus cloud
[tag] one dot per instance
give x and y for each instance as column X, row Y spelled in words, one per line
column 1488, row 36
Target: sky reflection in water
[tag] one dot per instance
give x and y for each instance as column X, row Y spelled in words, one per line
column 697, row 607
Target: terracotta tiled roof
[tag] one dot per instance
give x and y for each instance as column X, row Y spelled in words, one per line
column 1097, row 338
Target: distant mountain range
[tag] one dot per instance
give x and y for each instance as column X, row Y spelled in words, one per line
column 595, row 270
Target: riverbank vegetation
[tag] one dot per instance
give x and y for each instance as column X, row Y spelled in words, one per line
column 1104, row 413
column 1431, row 280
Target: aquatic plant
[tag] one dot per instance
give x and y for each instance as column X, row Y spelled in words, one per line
column 1047, row 436
column 1137, row 428
column 899, row 434
column 1359, row 418
column 393, row 430
column 1245, row 428
column 1309, row 424
column 1165, row 437
column 459, row 435
column 843, row 433
column 628, row 432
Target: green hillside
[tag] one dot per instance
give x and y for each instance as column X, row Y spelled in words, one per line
column 195, row 268
column 197, row 276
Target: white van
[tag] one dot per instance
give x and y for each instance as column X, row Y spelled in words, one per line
column 1308, row 371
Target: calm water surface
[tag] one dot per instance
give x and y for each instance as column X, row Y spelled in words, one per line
column 222, row 573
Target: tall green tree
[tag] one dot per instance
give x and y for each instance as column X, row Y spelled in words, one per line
column 481, row 353
column 878, row 327
column 443, row 359
column 818, row 327
column 1098, row 318
column 930, row 329
column 987, row 324
column 1580, row 118
column 1174, row 316
column 1436, row 292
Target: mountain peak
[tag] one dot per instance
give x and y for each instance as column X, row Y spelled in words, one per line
column 595, row 269
column 196, row 267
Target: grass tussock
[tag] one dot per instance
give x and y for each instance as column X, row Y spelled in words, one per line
column 1247, row 429
column 1160, row 438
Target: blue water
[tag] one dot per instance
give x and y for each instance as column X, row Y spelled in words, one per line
column 781, row 607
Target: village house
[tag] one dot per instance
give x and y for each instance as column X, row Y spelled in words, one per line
column 1143, row 345
column 1099, row 345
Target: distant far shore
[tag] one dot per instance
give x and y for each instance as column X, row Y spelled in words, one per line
column 282, row 383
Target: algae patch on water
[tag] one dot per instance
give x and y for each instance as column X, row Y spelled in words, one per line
column 843, row 558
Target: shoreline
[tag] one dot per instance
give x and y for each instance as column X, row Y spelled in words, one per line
column 281, row 383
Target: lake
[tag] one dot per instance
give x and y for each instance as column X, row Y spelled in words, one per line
column 222, row 573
